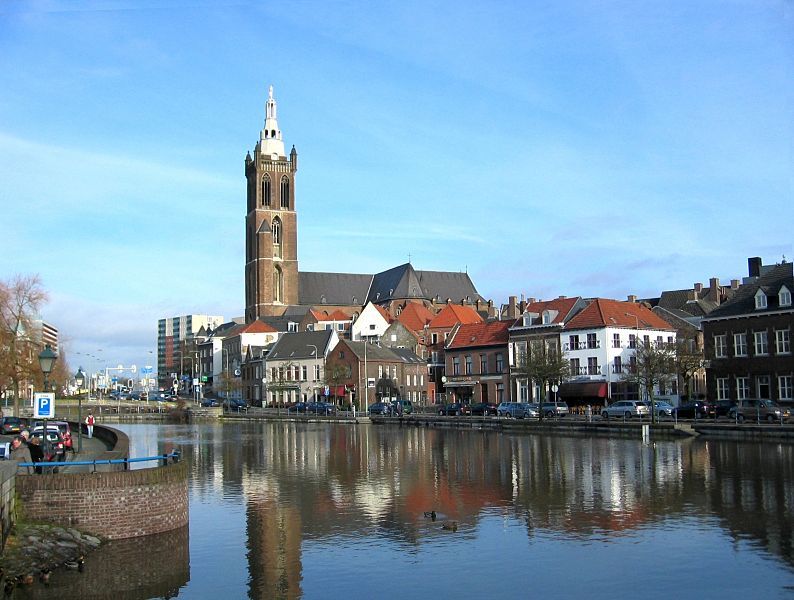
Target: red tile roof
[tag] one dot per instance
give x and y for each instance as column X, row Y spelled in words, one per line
column 603, row 312
column 489, row 333
column 415, row 316
column 384, row 312
column 452, row 314
column 562, row 305
column 324, row 315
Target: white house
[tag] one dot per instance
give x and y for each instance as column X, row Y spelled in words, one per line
column 371, row 323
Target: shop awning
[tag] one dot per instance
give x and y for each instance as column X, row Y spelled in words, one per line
column 460, row 384
column 585, row 389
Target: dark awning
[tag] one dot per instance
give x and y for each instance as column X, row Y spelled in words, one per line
column 586, row 389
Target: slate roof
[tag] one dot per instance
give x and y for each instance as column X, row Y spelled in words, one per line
column 743, row 301
column 408, row 356
column 340, row 289
column 281, row 323
column 399, row 282
column 297, row 346
column 603, row 312
column 375, row 352
column 452, row 314
column 681, row 300
column 489, row 333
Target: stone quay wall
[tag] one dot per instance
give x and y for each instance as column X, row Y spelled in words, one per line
column 113, row 505
column 8, row 472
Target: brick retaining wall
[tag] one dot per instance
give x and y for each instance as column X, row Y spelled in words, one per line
column 113, row 505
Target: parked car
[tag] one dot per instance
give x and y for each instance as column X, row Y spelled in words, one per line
column 235, row 404
column 759, row 410
column 454, row 408
column 555, row 409
column 298, row 407
column 404, row 407
column 483, row 408
column 54, row 447
column 381, row 408
column 321, row 408
column 694, row 410
column 516, row 410
column 723, row 407
column 663, row 408
column 10, row 425
column 625, row 409
column 209, row 403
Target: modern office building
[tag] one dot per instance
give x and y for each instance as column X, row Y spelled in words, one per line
column 174, row 336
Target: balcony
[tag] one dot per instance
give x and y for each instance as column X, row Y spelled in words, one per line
column 567, row 346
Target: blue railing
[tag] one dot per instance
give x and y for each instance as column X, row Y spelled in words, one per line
column 164, row 458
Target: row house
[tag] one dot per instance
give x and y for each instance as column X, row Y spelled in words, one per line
column 436, row 333
column 541, row 322
column 234, row 349
column 371, row 372
column 294, row 369
column 600, row 341
column 339, row 321
column 748, row 339
column 476, row 362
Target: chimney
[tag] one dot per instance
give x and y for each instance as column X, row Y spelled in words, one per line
column 632, row 298
column 522, row 306
column 714, row 289
column 698, row 290
column 512, row 308
column 531, row 300
column 561, row 298
column 754, row 266
column 734, row 284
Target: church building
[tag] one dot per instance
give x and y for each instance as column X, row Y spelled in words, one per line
column 274, row 285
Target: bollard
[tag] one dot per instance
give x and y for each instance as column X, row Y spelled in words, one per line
column 165, row 460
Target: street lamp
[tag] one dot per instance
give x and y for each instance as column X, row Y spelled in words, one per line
column 47, row 360
column 314, row 381
column 79, row 379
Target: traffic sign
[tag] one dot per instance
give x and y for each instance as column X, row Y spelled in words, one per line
column 43, row 405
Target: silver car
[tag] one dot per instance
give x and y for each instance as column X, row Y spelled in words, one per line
column 517, row 410
column 626, row 409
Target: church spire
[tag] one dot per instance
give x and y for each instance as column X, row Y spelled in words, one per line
column 270, row 141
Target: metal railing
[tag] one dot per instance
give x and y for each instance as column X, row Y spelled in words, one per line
column 164, row 458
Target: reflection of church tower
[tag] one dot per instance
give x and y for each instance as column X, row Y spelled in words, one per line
column 271, row 223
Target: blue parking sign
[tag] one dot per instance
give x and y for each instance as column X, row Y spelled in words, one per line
column 43, row 405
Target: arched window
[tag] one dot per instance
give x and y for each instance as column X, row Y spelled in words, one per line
column 266, row 190
column 285, row 192
column 277, row 238
column 278, row 285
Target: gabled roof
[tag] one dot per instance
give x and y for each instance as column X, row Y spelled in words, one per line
column 300, row 345
column 563, row 307
column 374, row 352
column 324, row 315
column 406, row 282
column 603, row 312
column 452, row 314
column 255, row 327
column 384, row 313
column 489, row 333
column 415, row 316
column 743, row 302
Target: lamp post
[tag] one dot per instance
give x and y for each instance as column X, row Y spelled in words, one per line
column 79, row 378
column 314, row 379
column 47, row 360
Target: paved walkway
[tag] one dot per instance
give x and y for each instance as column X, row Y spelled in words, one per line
column 90, row 449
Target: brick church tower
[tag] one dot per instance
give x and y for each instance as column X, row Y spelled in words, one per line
column 271, row 223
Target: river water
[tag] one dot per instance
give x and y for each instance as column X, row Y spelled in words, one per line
column 290, row 510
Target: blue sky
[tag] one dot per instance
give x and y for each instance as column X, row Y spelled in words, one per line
column 576, row 148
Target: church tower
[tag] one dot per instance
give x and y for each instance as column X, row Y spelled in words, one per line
column 271, row 223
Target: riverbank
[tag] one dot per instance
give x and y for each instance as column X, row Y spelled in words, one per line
column 37, row 554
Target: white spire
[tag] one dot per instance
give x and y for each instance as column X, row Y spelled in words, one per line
column 270, row 141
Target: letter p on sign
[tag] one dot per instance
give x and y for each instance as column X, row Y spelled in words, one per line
column 43, row 405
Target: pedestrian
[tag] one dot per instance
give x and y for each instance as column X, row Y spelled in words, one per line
column 36, row 453
column 19, row 451
column 89, row 422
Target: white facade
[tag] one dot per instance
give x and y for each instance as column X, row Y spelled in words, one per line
column 371, row 324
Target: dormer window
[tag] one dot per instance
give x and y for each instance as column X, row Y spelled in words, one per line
column 760, row 299
column 547, row 318
column 784, row 296
column 527, row 320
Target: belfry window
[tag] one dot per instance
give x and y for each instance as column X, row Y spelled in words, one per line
column 285, row 192
column 278, row 285
column 276, row 231
column 266, row 190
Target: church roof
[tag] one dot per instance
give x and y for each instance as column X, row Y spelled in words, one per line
column 339, row 289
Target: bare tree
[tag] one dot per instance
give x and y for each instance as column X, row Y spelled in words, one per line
column 654, row 365
column 688, row 360
column 20, row 300
column 336, row 375
column 544, row 363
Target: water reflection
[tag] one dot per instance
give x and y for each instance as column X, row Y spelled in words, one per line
column 314, row 497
